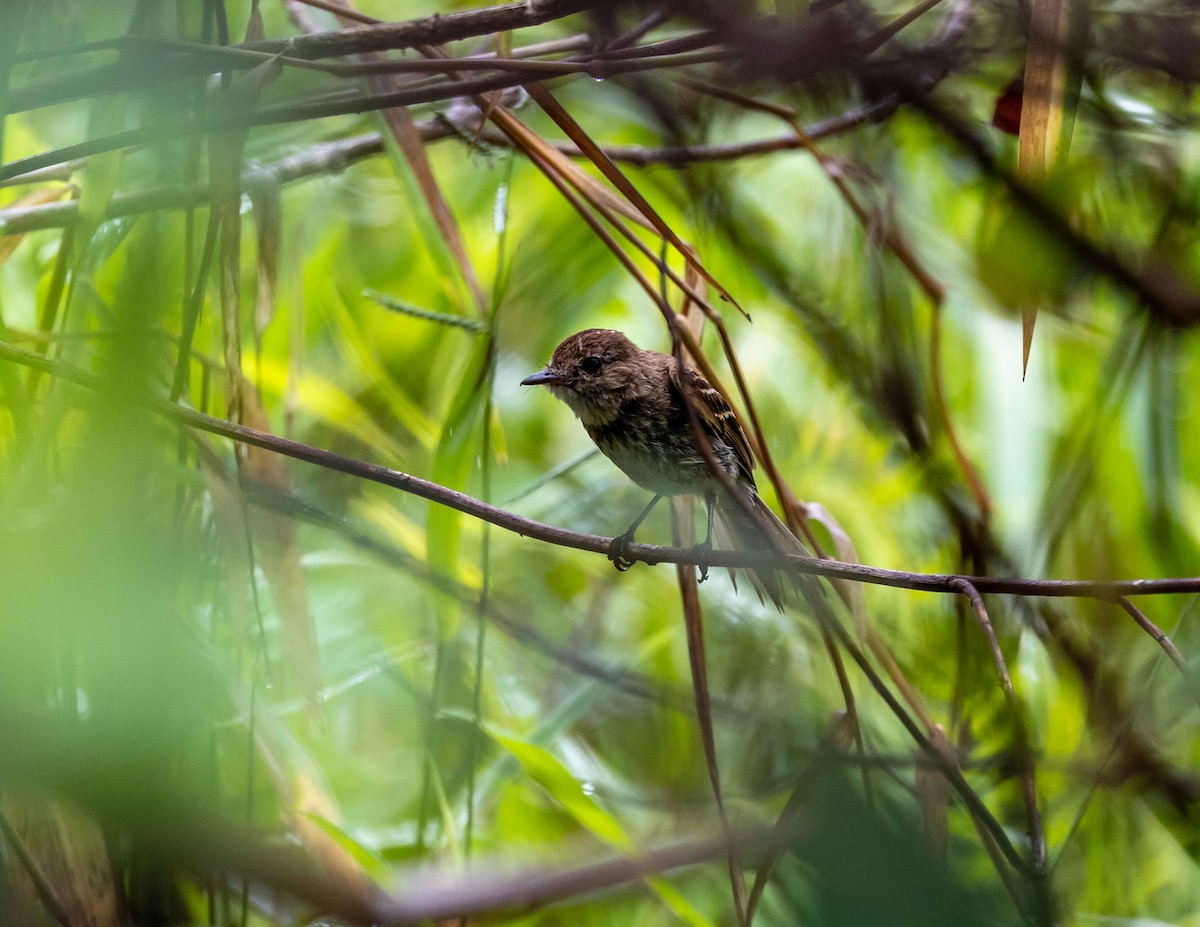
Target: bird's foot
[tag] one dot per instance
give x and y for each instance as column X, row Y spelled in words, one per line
column 618, row 551
column 701, row 551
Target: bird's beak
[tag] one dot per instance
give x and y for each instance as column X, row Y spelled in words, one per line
column 545, row 375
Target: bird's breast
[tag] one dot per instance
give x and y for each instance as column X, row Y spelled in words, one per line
column 657, row 458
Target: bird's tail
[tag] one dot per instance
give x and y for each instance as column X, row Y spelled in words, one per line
column 753, row 526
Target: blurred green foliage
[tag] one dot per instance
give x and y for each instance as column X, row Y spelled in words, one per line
column 488, row 700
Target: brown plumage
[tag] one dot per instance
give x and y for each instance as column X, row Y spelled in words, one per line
column 632, row 403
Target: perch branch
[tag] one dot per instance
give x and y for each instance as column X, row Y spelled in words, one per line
column 1106, row 590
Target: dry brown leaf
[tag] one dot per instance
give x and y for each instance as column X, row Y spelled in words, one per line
column 541, row 94
column 597, row 194
column 1045, row 135
column 254, row 27
column 561, row 170
column 404, row 130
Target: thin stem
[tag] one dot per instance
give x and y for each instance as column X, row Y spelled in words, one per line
column 1154, row 631
column 1106, row 590
column 1037, row 837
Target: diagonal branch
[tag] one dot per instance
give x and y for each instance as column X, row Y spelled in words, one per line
column 1107, row 590
column 1037, row 836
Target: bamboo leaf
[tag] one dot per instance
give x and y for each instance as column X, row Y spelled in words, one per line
column 100, row 176
column 403, row 130
column 1051, row 91
column 451, row 467
column 416, row 312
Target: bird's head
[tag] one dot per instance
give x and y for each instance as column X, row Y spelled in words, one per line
column 594, row 372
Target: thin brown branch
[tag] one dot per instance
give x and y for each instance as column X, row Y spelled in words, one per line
column 645, row 553
column 337, row 105
column 1108, row 590
column 342, row 12
column 437, row 29
column 901, row 22
column 649, row 23
column 974, row 481
column 169, row 60
column 333, row 157
column 1159, row 635
column 1037, row 836
column 527, row 527
column 324, row 158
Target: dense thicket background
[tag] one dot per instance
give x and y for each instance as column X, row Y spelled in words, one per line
column 237, row 687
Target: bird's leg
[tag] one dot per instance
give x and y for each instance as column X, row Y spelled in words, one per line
column 620, row 544
column 704, row 548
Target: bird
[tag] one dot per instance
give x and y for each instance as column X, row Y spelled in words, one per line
column 633, row 403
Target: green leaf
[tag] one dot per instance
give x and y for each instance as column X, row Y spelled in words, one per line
column 455, row 454
column 549, row 772
column 103, row 171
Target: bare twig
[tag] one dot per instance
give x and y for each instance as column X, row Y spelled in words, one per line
column 1108, row 590
column 333, row 157
column 437, row 29
column 1154, row 631
column 647, row 553
column 1037, row 837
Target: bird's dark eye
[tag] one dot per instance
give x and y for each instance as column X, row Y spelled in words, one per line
column 590, row 365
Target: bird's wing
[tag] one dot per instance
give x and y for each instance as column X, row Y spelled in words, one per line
column 716, row 415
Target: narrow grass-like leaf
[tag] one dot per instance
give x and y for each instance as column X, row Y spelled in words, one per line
column 315, row 819
column 575, row 132
column 403, row 130
column 1048, row 107
column 102, row 172
column 416, row 312
column 452, row 465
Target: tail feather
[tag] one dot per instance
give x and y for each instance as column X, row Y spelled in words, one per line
column 755, row 527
